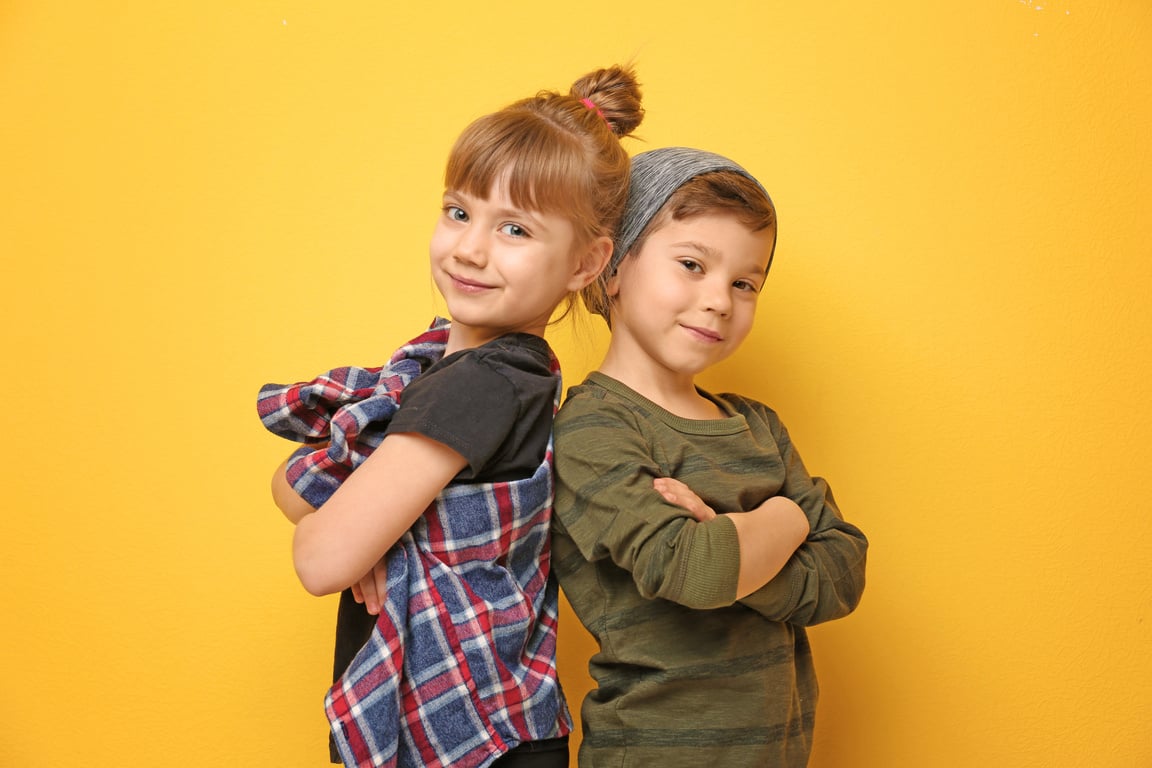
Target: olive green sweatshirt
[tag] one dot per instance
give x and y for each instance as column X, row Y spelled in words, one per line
column 686, row 674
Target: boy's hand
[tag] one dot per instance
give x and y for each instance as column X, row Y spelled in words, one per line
column 372, row 588
column 675, row 492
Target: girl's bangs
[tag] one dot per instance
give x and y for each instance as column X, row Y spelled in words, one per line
column 540, row 169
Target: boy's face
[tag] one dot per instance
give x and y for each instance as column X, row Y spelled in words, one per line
column 687, row 298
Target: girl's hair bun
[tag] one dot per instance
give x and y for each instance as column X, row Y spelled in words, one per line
column 616, row 94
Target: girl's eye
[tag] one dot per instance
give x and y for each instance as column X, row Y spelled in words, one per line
column 691, row 265
column 745, row 285
column 514, row 230
column 455, row 213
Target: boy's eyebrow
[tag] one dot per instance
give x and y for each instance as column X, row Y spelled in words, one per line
column 756, row 269
column 696, row 245
column 707, row 250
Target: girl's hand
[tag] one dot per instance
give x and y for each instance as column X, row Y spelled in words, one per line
column 675, row 492
column 372, row 589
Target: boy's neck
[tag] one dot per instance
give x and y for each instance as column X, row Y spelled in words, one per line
column 676, row 394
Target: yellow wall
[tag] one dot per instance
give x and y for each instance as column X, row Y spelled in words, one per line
column 196, row 198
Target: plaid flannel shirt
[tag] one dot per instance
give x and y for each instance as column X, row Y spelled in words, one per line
column 460, row 667
column 348, row 407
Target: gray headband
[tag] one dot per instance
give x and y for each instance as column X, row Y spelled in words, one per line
column 655, row 176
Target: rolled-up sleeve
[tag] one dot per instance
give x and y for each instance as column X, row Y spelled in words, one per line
column 824, row 579
column 606, row 504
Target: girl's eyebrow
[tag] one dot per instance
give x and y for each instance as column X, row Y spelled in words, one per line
column 459, row 194
column 517, row 213
column 509, row 212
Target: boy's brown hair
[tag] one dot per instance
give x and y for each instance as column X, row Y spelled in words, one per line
column 722, row 192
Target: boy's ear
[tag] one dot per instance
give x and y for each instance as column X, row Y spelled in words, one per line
column 612, row 285
column 592, row 262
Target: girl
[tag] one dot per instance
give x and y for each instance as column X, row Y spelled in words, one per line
column 699, row 616
column 445, row 649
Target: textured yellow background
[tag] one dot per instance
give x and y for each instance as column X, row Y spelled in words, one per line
column 196, row 198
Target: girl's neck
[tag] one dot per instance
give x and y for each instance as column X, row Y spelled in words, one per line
column 459, row 338
column 462, row 337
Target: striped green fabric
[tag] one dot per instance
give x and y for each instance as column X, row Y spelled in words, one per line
column 686, row 675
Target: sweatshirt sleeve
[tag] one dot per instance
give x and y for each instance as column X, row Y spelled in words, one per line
column 606, row 504
column 824, row 579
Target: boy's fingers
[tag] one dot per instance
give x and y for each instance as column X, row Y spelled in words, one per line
column 675, row 492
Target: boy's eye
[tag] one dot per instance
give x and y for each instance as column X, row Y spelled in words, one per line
column 691, row 265
column 514, row 230
column 456, row 213
column 746, row 285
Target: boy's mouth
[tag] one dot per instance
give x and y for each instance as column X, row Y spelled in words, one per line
column 704, row 334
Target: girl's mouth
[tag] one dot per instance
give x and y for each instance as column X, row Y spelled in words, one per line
column 469, row 286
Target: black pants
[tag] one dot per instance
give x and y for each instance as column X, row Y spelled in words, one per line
column 547, row 753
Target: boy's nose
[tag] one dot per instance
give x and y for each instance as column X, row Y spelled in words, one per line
column 717, row 298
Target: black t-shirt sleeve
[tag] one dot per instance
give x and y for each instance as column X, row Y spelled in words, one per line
column 492, row 405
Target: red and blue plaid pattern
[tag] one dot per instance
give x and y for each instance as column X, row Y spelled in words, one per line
column 349, row 407
column 460, row 667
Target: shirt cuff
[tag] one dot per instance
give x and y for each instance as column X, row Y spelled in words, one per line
column 712, row 565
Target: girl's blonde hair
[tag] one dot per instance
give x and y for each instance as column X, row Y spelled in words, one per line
column 556, row 153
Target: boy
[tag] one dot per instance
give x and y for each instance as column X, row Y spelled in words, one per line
column 687, row 535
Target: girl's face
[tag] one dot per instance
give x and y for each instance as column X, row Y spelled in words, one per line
column 500, row 268
column 687, row 298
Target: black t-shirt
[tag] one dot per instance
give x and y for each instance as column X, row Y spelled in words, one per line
column 492, row 404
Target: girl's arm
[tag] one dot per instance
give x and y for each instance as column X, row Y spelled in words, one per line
column 334, row 547
column 285, row 497
column 371, row 588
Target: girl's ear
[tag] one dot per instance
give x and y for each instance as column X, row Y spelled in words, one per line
column 592, row 262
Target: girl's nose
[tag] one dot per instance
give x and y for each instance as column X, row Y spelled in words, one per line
column 471, row 248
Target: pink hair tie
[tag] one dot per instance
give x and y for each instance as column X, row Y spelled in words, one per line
column 592, row 106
